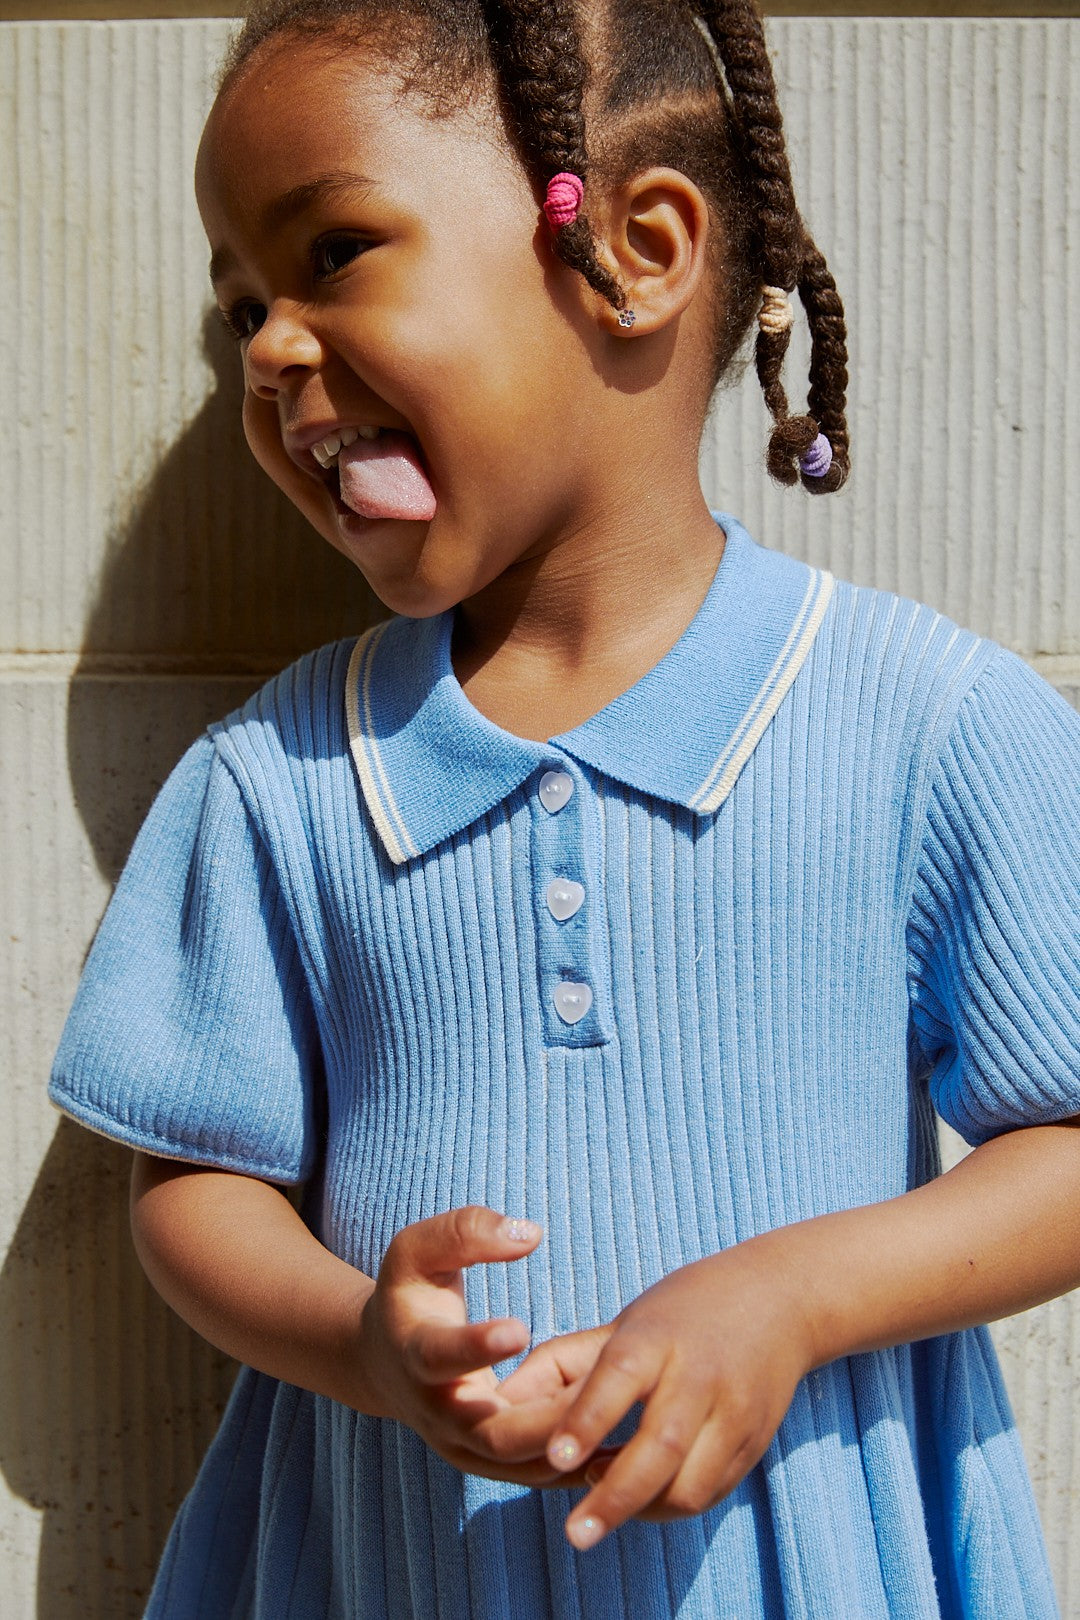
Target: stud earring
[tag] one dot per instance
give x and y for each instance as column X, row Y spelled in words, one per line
column 627, row 317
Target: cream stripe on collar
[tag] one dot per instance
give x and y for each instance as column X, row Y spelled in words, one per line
column 365, row 750
column 712, row 792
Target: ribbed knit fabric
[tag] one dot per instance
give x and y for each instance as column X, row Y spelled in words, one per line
column 830, row 849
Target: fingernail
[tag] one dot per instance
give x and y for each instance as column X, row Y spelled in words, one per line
column 563, row 1451
column 520, row 1231
column 586, row 1532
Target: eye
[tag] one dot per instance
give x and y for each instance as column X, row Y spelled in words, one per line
column 243, row 319
column 332, row 253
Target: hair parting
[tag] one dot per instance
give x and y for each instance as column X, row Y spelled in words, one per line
column 601, row 89
column 537, row 52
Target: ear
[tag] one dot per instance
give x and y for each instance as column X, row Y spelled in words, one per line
column 652, row 234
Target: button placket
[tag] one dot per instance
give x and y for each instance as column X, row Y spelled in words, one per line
column 565, row 929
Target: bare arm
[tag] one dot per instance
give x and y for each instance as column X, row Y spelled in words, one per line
column 996, row 1234
column 232, row 1256
column 716, row 1348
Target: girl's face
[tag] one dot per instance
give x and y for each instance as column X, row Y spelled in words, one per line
column 383, row 268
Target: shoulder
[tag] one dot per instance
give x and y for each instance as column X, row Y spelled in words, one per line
column 965, row 728
column 897, row 688
column 259, row 762
column 295, row 723
column 296, row 700
column 898, row 633
column 888, row 653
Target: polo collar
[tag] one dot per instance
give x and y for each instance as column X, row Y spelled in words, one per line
column 430, row 764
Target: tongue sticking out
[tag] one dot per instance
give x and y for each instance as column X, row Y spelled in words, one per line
column 383, row 478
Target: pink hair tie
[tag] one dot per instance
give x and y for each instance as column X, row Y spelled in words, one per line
column 564, row 194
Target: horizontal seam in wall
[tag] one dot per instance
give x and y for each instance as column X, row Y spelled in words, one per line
column 61, row 666
column 1060, row 669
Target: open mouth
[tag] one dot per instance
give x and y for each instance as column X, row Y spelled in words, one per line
column 375, row 472
column 326, row 452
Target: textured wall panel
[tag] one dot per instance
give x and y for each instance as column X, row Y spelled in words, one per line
column 149, row 576
column 106, row 1399
column 952, row 255
column 162, row 534
column 1040, row 1355
column 936, row 166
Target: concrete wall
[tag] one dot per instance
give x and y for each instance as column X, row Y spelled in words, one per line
column 149, row 577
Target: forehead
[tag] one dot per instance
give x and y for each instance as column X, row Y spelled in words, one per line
column 306, row 108
column 279, row 99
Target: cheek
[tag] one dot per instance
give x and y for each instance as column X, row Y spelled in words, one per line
column 263, row 436
column 264, row 440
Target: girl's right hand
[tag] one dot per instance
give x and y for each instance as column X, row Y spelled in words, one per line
column 424, row 1363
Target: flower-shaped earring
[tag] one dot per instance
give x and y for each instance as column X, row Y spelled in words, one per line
column 627, row 317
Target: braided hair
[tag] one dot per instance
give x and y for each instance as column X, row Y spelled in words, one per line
column 787, row 255
column 602, row 89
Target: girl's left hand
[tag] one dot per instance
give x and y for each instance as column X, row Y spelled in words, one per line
column 714, row 1350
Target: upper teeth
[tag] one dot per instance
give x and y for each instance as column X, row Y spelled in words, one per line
column 325, row 452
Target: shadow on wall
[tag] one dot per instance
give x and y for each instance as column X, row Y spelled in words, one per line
column 104, row 1435
column 211, row 583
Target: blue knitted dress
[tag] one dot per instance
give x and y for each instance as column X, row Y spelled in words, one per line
column 828, row 858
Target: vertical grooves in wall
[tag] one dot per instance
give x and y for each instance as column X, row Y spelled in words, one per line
column 932, row 163
column 127, row 442
column 1038, row 1351
column 962, row 333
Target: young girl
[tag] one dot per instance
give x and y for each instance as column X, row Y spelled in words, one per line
column 592, row 942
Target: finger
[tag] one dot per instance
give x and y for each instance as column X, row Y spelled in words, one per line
column 626, row 1370
column 537, row 1474
column 599, row 1463
column 646, row 1465
column 468, row 1451
column 555, row 1364
column 714, row 1465
column 521, row 1431
column 436, row 1249
column 467, row 1434
column 436, row 1352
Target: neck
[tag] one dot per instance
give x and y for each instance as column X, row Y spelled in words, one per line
column 565, row 635
column 610, row 594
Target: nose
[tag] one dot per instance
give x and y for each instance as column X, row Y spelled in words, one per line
column 283, row 348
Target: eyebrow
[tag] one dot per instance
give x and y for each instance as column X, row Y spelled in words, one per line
column 323, row 188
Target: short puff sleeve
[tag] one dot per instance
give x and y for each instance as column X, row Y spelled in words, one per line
column 192, row 1033
column 994, row 927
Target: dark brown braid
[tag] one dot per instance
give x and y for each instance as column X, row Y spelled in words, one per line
column 543, row 73
column 828, row 361
column 787, row 255
column 605, row 89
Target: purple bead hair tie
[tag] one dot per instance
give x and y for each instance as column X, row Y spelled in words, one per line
column 818, row 459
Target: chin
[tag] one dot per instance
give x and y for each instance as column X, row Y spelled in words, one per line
column 400, row 591
column 410, row 600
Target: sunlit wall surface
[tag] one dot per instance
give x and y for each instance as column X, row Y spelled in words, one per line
column 150, row 577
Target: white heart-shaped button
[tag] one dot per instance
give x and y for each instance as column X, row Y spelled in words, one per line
column 555, row 789
column 572, row 1001
column 564, row 897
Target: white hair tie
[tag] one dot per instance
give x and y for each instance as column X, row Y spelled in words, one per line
column 776, row 314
